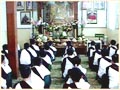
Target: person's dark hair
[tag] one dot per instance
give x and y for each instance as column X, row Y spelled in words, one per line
column 69, row 43
column 75, row 74
column 115, row 58
column 46, row 46
column 25, row 71
column 104, row 52
column 2, row 58
column 112, row 42
column 5, row 47
column 97, row 46
column 32, row 41
column 76, row 60
column 42, row 53
column 69, row 51
column 26, row 45
column 37, row 61
column 92, row 42
column 50, row 43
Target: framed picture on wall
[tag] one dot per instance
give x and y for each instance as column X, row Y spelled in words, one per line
column 91, row 16
column 20, row 5
column 86, row 5
column 99, row 5
column 25, row 18
column 28, row 5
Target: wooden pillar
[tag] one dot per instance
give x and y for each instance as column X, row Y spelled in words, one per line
column 76, row 18
column 39, row 9
column 12, row 37
column 75, row 10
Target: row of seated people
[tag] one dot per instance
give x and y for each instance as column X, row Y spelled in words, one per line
column 105, row 63
column 34, row 58
column 73, row 73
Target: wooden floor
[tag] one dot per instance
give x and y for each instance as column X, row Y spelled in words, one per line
column 57, row 81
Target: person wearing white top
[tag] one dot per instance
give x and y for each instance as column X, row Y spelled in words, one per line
column 96, row 56
column 34, row 54
column 6, row 72
column 91, row 50
column 69, row 45
column 34, row 46
column 42, row 72
column 112, row 48
column 27, row 55
column 111, row 78
column 49, row 52
column 25, row 58
column 103, row 63
column 46, row 60
column 30, row 80
column 67, row 63
column 76, row 80
column 50, row 43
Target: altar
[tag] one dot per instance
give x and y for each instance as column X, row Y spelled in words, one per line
column 79, row 48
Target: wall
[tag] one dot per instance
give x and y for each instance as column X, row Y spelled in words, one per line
column 93, row 31
column 25, row 31
column 113, row 20
column 89, row 32
column 3, row 23
column 113, row 34
column 23, row 36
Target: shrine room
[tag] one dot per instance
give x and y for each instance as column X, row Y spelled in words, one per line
column 59, row 44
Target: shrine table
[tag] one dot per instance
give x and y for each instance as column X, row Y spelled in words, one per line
column 79, row 49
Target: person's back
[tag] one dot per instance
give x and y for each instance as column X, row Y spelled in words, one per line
column 25, row 57
column 67, row 62
column 30, row 80
column 96, row 56
column 69, row 45
column 111, row 78
column 112, row 48
column 42, row 71
column 46, row 60
column 50, row 43
column 76, row 80
column 34, row 46
column 103, row 62
column 91, row 49
column 6, row 72
column 113, row 73
column 49, row 51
